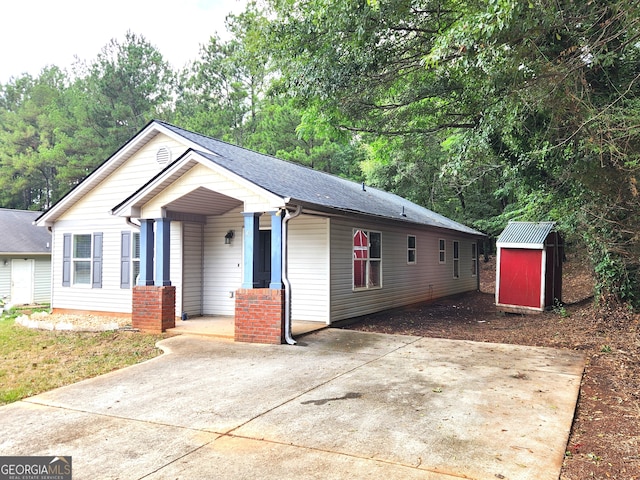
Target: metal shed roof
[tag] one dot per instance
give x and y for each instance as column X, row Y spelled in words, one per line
column 531, row 234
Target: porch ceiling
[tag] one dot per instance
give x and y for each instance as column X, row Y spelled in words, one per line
column 203, row 201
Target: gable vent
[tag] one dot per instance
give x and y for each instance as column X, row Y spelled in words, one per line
column 163, row 156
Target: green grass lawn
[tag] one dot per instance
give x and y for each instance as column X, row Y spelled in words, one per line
column 34, row 361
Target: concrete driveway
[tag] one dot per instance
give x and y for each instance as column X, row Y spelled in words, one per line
column 340, row 404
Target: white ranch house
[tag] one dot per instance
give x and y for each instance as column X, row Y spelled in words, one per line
column 176, row 223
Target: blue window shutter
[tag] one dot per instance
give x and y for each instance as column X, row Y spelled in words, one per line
column 66, row 260
column 97, row 261
column 125, row 260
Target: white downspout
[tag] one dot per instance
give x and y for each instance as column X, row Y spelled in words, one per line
column 285, row 274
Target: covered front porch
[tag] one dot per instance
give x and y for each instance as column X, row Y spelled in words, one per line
column 211, row 245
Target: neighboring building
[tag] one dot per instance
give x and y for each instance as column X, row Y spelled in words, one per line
column 529, row 267
column 228, row 229
column 25, row 258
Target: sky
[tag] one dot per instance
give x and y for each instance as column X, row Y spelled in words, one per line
column 38, row 33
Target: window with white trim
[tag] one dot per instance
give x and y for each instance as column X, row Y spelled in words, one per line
column 411, row 249
column 367, row 259
column 81, row 259
column 474, row 259
column 129, row 258
column 442, row 246
column 456, row 259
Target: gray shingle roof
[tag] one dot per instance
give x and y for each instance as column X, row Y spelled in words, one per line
column 533, row 233
column 19, row 235
column 311, row 187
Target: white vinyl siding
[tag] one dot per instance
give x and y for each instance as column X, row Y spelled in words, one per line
column 91, row 214
column 121, row 183
column 175, row 262
column 42, row 277
column 192, row 273
column 195, row 178
column 109, row 298
column 42, row 286
column 404, row 283
column 5, row 277
column 222, row 263
column 309, row 268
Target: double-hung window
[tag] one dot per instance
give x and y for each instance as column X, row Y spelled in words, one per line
column 456, row 259
column 367, row 259
column 129, row 258
column 474, row 259
column 442, row 246
column 411, row 249
column 82, row 260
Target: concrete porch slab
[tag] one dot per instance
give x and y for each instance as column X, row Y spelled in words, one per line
column 223, row 327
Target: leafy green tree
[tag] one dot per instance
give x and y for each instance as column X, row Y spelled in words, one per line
column 533, row 105
column 34, row 139
column 304, row 136
column 56, row 130
column 221, row 93
column 126, row 86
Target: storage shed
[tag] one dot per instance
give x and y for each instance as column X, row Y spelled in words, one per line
column 529, row 267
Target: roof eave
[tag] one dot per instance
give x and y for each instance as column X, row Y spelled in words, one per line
column 48, row 218
column 405, row 221
column 131, row 205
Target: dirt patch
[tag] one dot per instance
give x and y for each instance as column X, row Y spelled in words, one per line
column 605, row 437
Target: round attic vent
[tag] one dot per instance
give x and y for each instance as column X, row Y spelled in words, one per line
column 163, row 155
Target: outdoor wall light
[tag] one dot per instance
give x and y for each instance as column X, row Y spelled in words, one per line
column 228, row 237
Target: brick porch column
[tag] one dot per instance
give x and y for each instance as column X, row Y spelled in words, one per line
column 154, row 308
column 259, row 315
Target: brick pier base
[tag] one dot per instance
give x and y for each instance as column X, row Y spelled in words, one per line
column 259, row 316
column 154, row 308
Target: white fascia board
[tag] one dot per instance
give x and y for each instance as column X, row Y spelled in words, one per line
column 185, row 141
column 528, row 246
column 95, row 177
column 131, row 207
column 276, row 201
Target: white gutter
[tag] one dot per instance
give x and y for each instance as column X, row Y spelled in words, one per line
column 132, row 223
column 285, row 275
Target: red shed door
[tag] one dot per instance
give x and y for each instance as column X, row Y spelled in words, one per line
column 520, row 277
